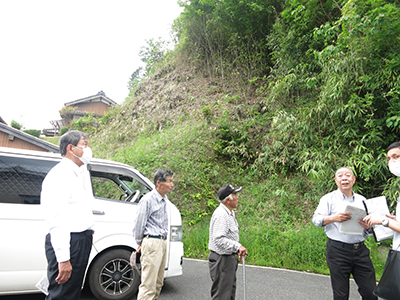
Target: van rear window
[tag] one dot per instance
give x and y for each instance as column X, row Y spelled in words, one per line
column 21, row 179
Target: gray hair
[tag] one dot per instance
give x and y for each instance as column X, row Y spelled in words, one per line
column 71, row 137
column 161, row 175
column 351, row 171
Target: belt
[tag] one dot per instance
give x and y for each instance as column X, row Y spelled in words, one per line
column 161, row 237
column 355, row 246
column 223, row 254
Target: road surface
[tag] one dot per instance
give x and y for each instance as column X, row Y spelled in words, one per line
column 262, row 283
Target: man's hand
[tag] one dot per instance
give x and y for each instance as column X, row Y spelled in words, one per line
column 376, row 219
column 64, row 272
column 364, row 224
column 342, row 217
column 242, row 252
column 138, row 249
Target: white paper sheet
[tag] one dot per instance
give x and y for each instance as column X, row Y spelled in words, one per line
column 352, row 226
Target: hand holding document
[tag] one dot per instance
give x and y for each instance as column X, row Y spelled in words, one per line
column 378, row 207
column 352, row 226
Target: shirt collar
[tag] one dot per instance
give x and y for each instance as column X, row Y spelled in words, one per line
column 77, row 170
column 158, row 196
column 227, row 209
column 344, row 197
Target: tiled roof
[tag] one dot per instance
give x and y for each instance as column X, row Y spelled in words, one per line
column 29, row 138
column 99, row 97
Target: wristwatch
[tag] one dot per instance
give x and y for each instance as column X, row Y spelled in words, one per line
column 385, row 222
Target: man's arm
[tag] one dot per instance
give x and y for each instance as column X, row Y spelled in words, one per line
column 339, row 217
column 377, row 220
column 55, row 199
column 141, row 222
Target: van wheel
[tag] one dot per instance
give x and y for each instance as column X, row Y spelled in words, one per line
column 112, row 278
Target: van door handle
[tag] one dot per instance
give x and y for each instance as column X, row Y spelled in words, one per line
column 98, row 212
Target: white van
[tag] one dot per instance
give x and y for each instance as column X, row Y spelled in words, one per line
column 117, row 189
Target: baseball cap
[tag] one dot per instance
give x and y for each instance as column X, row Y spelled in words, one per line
column 226, row 190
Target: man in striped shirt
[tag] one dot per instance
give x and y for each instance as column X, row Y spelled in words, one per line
column 224, row 245
column 151, row 232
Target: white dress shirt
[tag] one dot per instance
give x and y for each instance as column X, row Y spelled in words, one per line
column 224, row 231
column 331, row 204
column 396, row 237
column 67, row 201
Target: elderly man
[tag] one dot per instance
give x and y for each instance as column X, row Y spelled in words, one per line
column 66, row 197
column 345, row 253
column 224, row 245
column 151, row 232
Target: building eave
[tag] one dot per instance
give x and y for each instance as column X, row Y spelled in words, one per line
column 29, row 138
column 100, row 97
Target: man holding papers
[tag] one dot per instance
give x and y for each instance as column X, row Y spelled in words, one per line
column 393, row 159
column 345, row 250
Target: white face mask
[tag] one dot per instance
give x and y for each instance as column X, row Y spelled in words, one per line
column 86, row 156
column 394, row 167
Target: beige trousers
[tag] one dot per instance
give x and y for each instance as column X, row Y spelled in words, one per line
column 152, row 261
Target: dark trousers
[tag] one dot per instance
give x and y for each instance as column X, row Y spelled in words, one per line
column 343, row 261
column 223, row 275
column 80, row 246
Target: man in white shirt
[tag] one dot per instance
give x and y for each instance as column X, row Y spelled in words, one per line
column 66, row 197
column 345, row 253
column 224, row 245
column 393, row 159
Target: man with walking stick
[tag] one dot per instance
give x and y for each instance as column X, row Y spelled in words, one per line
column 224, row 245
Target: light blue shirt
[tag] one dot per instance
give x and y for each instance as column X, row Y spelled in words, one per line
column 331, row 204
column 152, row 218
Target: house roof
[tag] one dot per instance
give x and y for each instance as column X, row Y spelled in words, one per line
column 99, row 97
column 2, row 121
column 29, row 138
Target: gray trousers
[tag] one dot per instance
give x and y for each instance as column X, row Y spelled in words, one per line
column 223, row 275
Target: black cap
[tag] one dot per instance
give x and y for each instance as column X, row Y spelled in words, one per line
column 226, row 190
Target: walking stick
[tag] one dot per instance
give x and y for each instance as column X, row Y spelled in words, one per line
column 244, row 278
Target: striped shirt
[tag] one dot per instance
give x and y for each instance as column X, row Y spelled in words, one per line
column 152, row 218
column 224, row 231
column 331, row 204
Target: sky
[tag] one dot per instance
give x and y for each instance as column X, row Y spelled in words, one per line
column 57, row 51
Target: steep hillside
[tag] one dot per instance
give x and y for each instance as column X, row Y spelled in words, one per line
column 273, row 96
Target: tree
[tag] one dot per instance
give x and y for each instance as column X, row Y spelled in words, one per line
column 16, row 125
column 151, row 54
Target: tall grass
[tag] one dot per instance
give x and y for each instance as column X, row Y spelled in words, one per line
column 300, row 249
column 274, row 212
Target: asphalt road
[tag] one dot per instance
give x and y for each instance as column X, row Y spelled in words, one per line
column 261, row 283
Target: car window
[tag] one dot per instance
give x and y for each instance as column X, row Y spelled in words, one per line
column 21, row 179
column 114, row 186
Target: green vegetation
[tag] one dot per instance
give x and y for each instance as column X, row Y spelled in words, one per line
column 33, row 132
column 16, row 125
column 273, row 96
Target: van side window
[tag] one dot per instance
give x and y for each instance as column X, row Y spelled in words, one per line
column 117, row 187
column 21, row 179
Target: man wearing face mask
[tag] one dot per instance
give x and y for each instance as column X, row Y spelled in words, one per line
column 393, row 159
column 66, row 198
column 345, row 253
